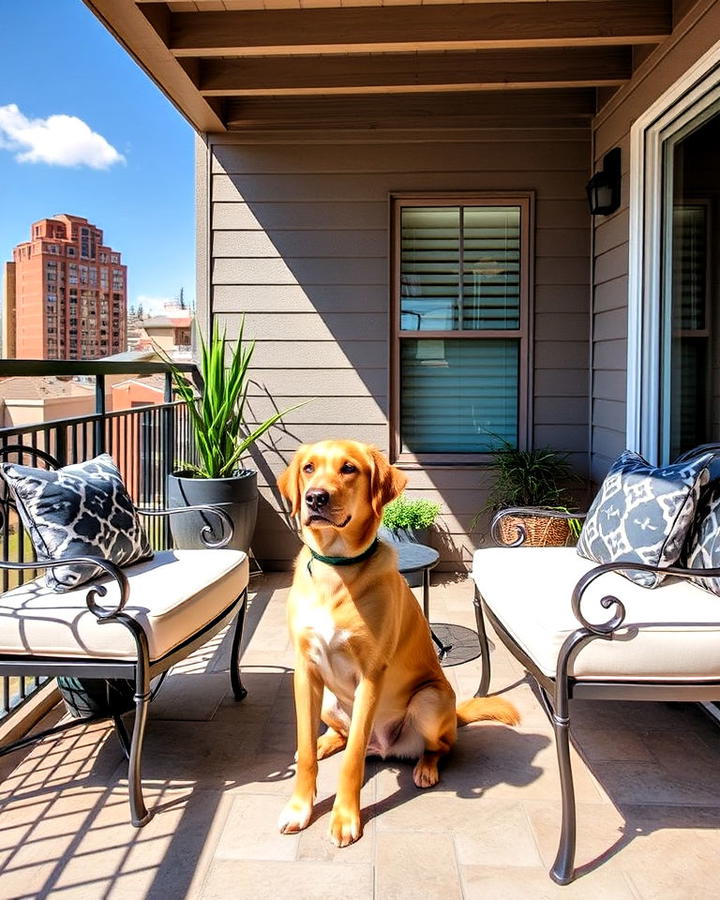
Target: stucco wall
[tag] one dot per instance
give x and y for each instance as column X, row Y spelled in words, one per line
column 299, row 242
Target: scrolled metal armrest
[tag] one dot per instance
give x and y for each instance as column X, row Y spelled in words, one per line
column 606, row 629
column 545, row 511
column 100, row 590
column 206, row 531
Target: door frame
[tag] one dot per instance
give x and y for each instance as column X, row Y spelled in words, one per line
column 687, row 98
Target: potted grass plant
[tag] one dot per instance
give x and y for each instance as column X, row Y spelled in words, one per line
column 409, row 520
column 532, row 479
column 222, row 438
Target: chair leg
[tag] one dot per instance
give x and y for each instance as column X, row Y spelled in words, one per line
column 139, row 814
column 484, row 685
column 122, row 735
column 563, row 869
column 237, row 686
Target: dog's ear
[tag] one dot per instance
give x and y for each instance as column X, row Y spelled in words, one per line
column 386, row 482
column 288, row 482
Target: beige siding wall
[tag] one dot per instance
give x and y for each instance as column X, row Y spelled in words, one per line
column 692, row 37
column 300, row 243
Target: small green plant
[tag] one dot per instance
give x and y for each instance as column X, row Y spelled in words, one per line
column 217, row 414
column 405, row 513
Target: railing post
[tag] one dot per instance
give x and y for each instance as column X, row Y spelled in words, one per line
column 100, row 413
column 60, row 451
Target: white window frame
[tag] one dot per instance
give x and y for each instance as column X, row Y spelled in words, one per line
column 692, row 94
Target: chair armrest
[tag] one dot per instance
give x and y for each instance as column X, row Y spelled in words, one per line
column 100, row 590
column 206, row 531
column 606, row 629
column 526, row 511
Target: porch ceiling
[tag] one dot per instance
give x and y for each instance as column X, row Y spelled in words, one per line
column 294, row 64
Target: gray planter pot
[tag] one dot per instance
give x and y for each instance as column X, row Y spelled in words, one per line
column 406, row 535
column 237, row 495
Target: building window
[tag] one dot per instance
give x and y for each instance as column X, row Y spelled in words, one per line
column 85, row 242
column 461, row 313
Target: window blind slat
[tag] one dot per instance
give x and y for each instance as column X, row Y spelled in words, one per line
column 458, row 396
column 474, row 254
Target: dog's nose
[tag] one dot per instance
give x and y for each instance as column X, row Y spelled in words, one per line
column 316, row 498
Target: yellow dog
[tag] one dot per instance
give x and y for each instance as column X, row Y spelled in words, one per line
column 360, row 635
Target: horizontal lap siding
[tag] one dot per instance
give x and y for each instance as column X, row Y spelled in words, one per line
column 300, row 243
column 610, row 302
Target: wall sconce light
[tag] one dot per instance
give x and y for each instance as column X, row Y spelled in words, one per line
column 603, row 189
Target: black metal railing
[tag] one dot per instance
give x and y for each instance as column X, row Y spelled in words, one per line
column 145, row 441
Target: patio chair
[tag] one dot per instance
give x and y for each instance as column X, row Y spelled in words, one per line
column 592, row 632
column 129, row 623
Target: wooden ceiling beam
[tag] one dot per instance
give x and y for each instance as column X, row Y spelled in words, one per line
column 143, row 35
column 428, row 27
column 406, row 72
column 427, row 111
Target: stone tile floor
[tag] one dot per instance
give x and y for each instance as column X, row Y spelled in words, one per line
column 217, row 774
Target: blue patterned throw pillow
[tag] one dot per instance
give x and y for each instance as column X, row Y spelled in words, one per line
column 81, row 510
column 643, row 513
column 703, row 547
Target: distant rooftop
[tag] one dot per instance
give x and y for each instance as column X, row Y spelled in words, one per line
column 167, row 322
column 40, row 388
column 131, row 356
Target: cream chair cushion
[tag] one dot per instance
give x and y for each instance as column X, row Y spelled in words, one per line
column 671, row 632
column 173, row 596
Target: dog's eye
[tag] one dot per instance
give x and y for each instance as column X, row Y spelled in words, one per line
column 308, row 468
column 348, row 468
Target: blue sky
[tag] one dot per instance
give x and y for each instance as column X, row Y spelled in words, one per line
column 133, row 177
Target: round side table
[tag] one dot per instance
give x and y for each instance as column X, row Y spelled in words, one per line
column 456, row 644
column 418, row 558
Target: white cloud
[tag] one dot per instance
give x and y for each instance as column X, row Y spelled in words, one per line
column 152, row 306
column 59, row 140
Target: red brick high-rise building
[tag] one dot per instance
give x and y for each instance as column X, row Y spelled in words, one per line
column 68, row 294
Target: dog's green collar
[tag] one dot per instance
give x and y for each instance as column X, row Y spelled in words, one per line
column 344, row 560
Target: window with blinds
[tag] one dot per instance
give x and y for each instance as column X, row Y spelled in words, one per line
column 461, row 290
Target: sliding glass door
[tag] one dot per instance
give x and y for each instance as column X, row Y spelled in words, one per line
column 689, row 376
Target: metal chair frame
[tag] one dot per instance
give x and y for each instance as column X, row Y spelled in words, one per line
column 556, row 692
column 142, row 669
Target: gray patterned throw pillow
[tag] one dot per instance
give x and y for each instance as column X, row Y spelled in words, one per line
column 81, row 510
column 643, row 513
column 703, row 549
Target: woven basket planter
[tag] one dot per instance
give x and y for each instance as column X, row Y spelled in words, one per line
column 540, row 531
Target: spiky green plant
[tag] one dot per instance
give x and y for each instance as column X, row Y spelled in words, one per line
column 217, row 415
column 535, row 477
column 528, row 478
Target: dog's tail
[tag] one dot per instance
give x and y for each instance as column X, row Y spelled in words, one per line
column 487, row 708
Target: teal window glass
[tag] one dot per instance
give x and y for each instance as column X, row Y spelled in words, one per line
column 458, row 395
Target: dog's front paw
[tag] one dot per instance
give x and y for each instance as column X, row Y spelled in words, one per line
column 345, row 826
column 425, row 773
column 295, row 816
